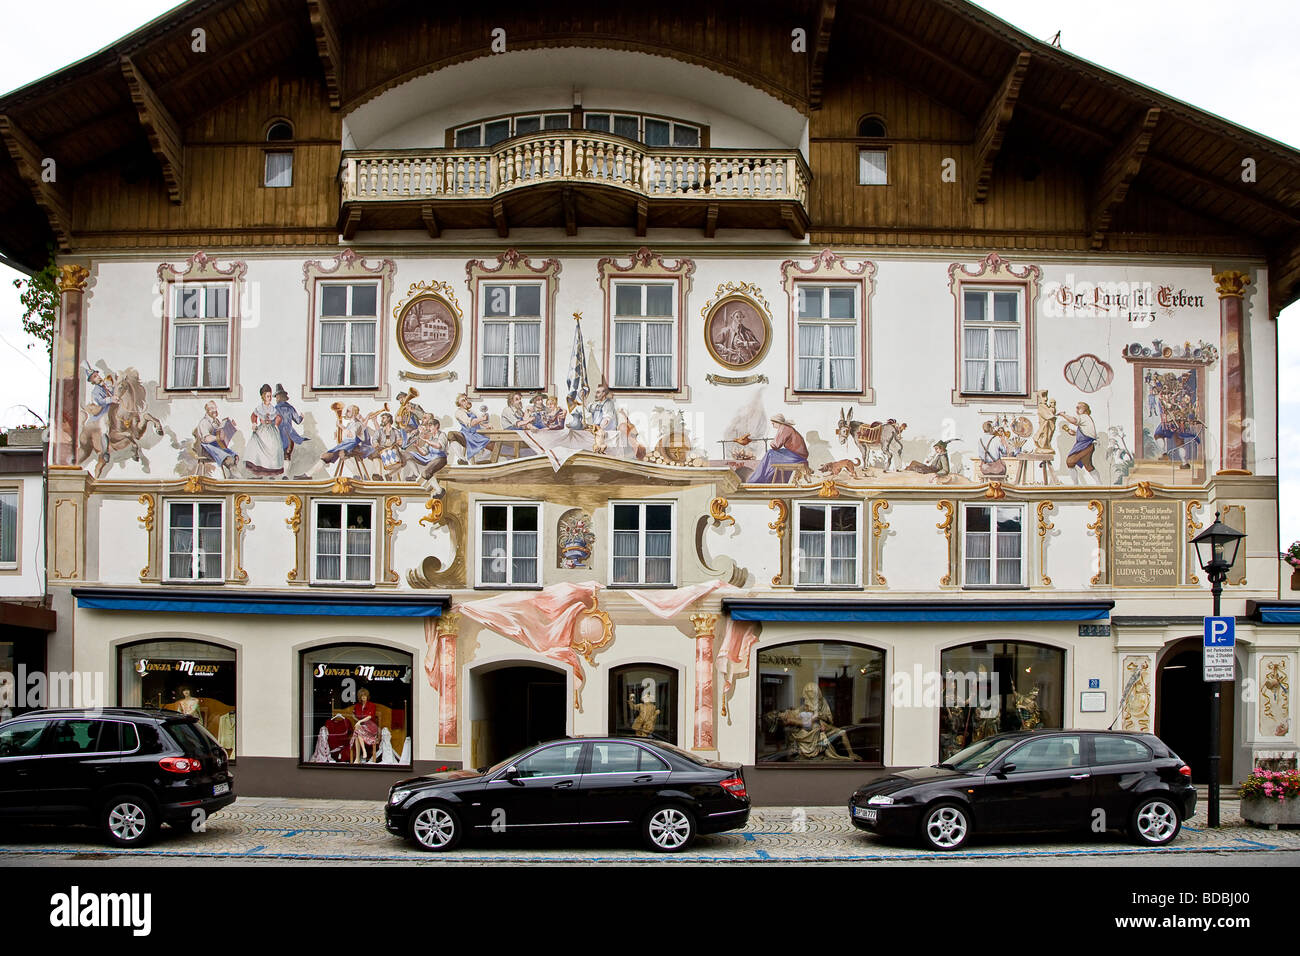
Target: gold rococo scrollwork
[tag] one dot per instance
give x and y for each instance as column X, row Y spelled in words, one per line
column 1098, row 528
column 391, row 524
column 878, row 528
column 1044, row 526
column 1192, row 527
column 146, row 519
column 782, row 510
column 946, row 527
column 434, row 508
column 294, row 521
column 242, row 521
column 718, row 511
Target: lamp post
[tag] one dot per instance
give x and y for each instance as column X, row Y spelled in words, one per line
column 1216, row 550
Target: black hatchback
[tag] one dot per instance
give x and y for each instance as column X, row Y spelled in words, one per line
column 579, row 785
column 1039, row 780
column 127, row 770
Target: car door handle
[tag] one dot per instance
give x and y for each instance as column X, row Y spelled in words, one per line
column 644, row 778
column 562, row 785
column 1080, row 776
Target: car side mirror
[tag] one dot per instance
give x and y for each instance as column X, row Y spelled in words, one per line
column 511, row 774
column 1007, row 768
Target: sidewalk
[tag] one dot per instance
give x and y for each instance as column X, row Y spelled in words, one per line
column 267, row 828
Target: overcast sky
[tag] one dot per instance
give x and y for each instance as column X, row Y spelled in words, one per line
column 1239, row 62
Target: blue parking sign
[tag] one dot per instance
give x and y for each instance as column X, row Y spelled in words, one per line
column 1220, row 632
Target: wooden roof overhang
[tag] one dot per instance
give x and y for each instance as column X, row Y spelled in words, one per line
column 128, row 106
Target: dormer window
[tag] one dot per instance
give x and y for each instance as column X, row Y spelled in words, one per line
column 279, row 162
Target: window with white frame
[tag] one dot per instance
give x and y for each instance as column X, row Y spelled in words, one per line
column 642, row 551
column 829, row 331
column 9, row 528
column 199, row 350
column 994, row 546
column 509, row 544
column 491, row 132
column 511, row 349
column 344, row 542
column 873, row 167
column 993, row 340
column 828, row 537
column 194, row 540
column 649, row 130
column 278, row 172
column 346, row 333
column 645, row 334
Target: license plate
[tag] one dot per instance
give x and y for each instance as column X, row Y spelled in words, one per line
column 219, row 788
column 864, row 813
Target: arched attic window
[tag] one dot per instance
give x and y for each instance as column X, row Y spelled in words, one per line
column 279, row 162
column 873, row 161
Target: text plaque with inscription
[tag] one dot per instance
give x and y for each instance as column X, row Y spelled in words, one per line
column 1145, row 542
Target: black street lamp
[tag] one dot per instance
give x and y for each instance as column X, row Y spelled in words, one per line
column 1216, row 550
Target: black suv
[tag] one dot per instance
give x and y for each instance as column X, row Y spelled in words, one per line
column 127, row 770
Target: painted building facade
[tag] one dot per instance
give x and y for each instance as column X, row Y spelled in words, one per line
column 412, row 407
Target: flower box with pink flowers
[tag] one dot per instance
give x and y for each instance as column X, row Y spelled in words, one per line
column 1271, row 798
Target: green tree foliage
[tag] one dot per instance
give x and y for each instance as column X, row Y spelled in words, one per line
column 39, row 295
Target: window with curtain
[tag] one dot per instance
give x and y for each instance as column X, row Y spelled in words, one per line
column 511, row 336
column 994, row 546
column 346, row 332
column 828, row 332
column 828, row 545
column 642, row 549
column 644, row 335
column 279, row 170
column 993, row 341
column 344, row 542
column 200, row 336
column 194, row 540
column 509, row 544
column 873, row 167
column 9, row 529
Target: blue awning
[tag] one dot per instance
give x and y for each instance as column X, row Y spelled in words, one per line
column 928, row 612
column 226, row 602
column 1285, row 612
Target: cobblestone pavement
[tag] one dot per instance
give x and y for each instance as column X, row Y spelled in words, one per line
column 271, row 830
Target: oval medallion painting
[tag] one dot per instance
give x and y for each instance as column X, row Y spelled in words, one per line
column 737, row 332
column 428, row 329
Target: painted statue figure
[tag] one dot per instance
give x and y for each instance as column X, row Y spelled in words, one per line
column 1027, row 708
column 809, row 727
column 646, row 711
column 885, row 437
column 116, row 416
column 212, row 441
column 1046, row 422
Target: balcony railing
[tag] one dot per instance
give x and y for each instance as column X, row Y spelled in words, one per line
column 579, row 157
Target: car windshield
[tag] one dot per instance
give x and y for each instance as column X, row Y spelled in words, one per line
column 980, row 755
column 511, row 759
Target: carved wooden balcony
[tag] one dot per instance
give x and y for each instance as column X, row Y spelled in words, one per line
column 573, row 178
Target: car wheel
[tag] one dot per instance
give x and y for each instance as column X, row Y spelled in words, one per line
column 669, row 829
column 435, row 827
column 1155, row 822
column 128, row 821
column 945, row 827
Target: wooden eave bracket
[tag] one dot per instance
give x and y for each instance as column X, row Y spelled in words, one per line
column 1117, row 174
column 820, row 50
column 329, row 48
column 49, row 195
column 161, row 129
column 992, row 128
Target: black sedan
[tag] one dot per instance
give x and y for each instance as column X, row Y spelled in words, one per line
column 1040, row 780
column 580, row 784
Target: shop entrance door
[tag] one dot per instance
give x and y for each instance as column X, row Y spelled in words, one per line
column 520, row 706
column 1183, row 711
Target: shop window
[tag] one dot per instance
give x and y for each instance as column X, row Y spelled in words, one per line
column 9, row 529
column 829, row 334
column 828, row 545
column 994, row 543
column 511, row 336
column 343, row 543
column 642, row 551
column 643, row 702
column 993, row 341
column 509, row 545
column 356, row 706
column 347, row 322
column 993, row 688
column 822, row 702
column 189, row 677
column 194, row 538
column 645, row 332
column 198, row 353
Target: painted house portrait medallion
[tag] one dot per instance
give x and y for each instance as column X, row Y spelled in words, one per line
column 428, row 330
column 737, row 332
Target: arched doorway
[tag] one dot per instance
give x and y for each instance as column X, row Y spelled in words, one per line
column 1183, row 711
column 515, row 706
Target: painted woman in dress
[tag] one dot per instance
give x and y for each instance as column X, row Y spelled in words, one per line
column 475, row 440
column 365, row 732
column 265, row 453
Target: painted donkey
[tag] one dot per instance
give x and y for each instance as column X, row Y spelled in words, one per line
column 883, row 438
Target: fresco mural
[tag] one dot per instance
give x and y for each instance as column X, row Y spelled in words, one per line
column 114, row 417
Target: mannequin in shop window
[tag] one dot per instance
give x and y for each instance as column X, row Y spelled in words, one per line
column 365, row 728
column 189, row 705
